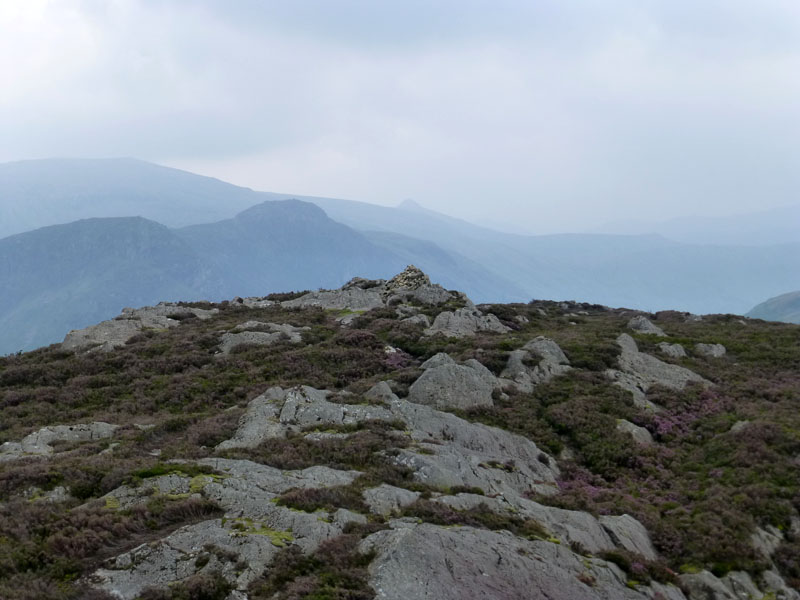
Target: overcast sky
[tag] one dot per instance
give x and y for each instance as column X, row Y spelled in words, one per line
column 545, row 115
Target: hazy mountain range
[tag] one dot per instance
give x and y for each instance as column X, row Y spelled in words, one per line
column 93, row 236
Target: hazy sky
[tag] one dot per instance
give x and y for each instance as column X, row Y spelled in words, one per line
column 548, row 115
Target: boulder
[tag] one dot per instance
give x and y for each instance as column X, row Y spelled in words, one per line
column 639, row 434
column 465, row 322
column 445, row 384
column 672, row 350
column 642, row 324
column 710, row 350
column 553, row 362
column 628, row 533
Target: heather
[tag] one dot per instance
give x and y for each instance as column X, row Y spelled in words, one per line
column 723, row 462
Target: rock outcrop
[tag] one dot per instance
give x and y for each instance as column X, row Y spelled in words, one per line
column 446, row 384
column 639, row 371
column 39, row 443
column 465, row 322
column 412, row 285
column 642, row 324
column 672, row 350
column 710, row 350
column 416, row 561
column 639, row 434
column 447, row 451
column 552, row 363
column 107, row 335
column 259, row 334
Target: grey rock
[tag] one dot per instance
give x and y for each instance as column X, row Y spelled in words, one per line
column 445, row 385
column 458, row 452
column 705, row 586
column 423, row 320
column 642, row 324
column 639, row 434
column 423, row 561
column 343, row 517
column 438, row 360
column 773, row 583
column 387, row 500
column 381, row 392
column 353, row 298
column 39, row 442
column 260, row 334
column 639, row 371
column 465, row 322
column 553, row 362
column 672, row 350
column 628, row 533
column 766, row 540
column 739, row 426
column 710, row 350
column 741, row 585
column 107, row 335
column 278, row 411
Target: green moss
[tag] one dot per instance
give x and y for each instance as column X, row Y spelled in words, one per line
column 247, row 526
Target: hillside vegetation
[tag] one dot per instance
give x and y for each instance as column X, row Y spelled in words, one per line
column 714, row 480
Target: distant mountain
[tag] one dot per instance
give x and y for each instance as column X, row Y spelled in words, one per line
column 785, row 307
column 763, row 228
column 640, row 271
column 38, row 193
column 64, row 277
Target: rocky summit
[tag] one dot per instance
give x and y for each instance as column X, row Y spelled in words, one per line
column 391, row 439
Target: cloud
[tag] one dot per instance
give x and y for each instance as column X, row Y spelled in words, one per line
column 553, row 115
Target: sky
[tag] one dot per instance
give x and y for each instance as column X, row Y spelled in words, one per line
column 532, row 115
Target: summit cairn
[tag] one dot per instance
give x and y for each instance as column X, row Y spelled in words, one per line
column 412, row 278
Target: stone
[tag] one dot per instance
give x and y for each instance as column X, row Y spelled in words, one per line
column 422, row 320
column 672, row 350
column 628, row 533
column 411, row 278
column 260, row 334
column 553, row 362
column 710, row 350
column 766, row 540
column 424, row 561
column 386, row 499
column 381, row 392
column 39, row 442
column 107, row 335
column 448, row 385
column 642, row 324
column 639, row 371
column 639, row 434
column 465, row 322
column 739, row 426
column 705, row 586
column 456, row 452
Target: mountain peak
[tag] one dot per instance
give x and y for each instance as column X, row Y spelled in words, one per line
column 411, row 205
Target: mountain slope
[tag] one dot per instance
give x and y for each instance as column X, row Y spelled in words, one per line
column 66, row 276
column 785, row 308
column 38, row 193
column 377, row 458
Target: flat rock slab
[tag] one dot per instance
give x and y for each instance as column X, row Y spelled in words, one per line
column 107, row 335
column 710, row 350
column 640, row 371
column 39, row 442
column 257, row 333
column 423, row 561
